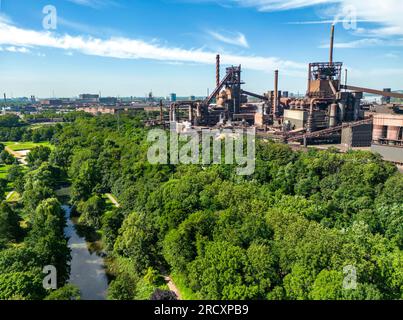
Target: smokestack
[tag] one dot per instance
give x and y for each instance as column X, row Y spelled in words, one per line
column 5, row 99
column 161, row 112
column 331, row 44
column 275, row 98
column 217, row 70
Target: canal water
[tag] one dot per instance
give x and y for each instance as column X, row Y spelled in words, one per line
column 87, row 266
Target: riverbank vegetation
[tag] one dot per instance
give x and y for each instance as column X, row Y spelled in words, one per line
column 301, row 225
column 32, row 231
column 289, row 231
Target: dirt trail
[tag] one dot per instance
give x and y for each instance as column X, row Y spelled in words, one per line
column 20, row 155
column 113, row 200
column 173, row 287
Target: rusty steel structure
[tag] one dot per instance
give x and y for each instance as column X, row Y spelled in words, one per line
column 383, row 93
column 217, row 70
column 328, row 107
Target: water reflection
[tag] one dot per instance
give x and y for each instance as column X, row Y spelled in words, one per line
column 87, row 268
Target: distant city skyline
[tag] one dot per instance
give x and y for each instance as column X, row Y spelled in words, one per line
column 127, row 48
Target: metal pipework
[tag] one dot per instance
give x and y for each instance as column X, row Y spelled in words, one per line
column 372, row 91
column 331, row 44
column 333, row 114
column 332, row 87
column 255, row 95
column 310, row 124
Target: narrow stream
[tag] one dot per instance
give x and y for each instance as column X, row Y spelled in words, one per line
column 87, row 268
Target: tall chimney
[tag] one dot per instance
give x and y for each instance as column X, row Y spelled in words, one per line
column 217, row 70
column 161, row 111
column 331, row 44
column 275, row 97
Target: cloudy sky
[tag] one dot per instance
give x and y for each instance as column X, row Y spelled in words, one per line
column 129, row 47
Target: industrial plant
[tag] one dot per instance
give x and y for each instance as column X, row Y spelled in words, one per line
column 331, row 112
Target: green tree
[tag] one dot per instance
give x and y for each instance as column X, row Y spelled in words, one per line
column 137, row 241
column 47, row 237
column 392, row 192
column 328, row 285
column 10, row 229
column 180, row 245
column 24, row 285
column 9, row 121
column 66, row 293
column 122, row 288
column 92, row 211
column 14, row 173
column 38, row 155
column 218, row 274
column 298, row 283
column 6, row 158
column 35, row 192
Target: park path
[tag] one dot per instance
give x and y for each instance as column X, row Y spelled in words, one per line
column 168, row 279
column 19, row 155
column 113, row 200
column 10, row 195
column 173, row 287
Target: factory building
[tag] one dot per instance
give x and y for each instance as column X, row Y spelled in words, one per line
column 52, row 102
column 95, row 110
column 172, row 97
column 387, row 137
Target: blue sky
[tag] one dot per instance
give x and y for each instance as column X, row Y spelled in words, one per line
column 129, row 47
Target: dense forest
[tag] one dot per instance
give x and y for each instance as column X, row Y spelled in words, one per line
column 286, row 232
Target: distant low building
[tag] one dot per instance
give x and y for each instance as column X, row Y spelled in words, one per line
column 87, row 98
column 172, row 97
column 95, row 110
column 108, row 101
column 52, row 102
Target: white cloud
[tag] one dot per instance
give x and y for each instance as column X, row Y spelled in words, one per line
column 85, row 28
column 366, row 42
column 237, row 39
column 276, row 5
column 96, row 4
column 16, row 49
column 386, row 13
column 326, row 21
column 125, row 48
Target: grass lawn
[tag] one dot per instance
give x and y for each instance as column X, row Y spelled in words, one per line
column 4, row 171
column 15, row 197
column 42, row 125
column 18, row 146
